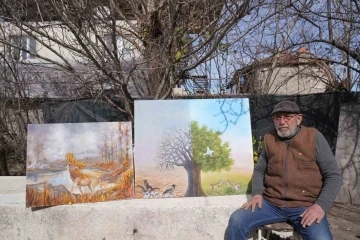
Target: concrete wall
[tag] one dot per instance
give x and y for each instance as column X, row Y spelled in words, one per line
column 297, row 79
column 178, row 218
column 348, row 153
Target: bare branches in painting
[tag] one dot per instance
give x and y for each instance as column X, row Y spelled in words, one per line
column 231, row 109
column 175, row 148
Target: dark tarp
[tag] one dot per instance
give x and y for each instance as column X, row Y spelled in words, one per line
column 88, row 110
column 320, row 110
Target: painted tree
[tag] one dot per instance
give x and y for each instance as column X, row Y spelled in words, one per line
column 126, row 136
column 38, row 149
column 186, row 148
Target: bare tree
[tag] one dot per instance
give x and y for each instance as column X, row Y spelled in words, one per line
column 16, row 111
column 328, row 30
column 332, row 29
column 100, row 49
column 135, row 48
column 143, row 49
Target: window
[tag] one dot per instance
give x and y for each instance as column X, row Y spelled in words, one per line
column 125, row 48
column 23, row 47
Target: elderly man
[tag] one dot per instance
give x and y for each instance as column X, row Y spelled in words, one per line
column 296, row 180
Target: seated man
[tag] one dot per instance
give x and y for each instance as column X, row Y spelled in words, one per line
column 296, row 180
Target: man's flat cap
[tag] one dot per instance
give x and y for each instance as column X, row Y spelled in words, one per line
column 286, row 106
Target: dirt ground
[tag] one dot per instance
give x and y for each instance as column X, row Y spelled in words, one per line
column 345, row 221
column 160, row 179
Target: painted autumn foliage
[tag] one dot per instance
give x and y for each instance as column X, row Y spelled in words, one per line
column 98, row 167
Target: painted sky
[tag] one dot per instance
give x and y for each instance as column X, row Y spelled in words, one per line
column 230, row 116
column 74, row 137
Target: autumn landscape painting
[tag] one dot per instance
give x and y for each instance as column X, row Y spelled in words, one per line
column 78, row 163
column 192, row 147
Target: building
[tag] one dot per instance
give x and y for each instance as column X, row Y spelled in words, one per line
column 299, row 72
column 92, row 47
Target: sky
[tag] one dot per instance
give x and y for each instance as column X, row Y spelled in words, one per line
column 63, row 137
column 154, row 117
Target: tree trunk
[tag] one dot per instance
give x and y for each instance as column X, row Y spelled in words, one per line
column 197, row 180
column 190, row 189
column 194, row 188
column 157, row 55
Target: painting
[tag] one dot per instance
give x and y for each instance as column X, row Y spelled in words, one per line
column 79, row 163
column 192, row 147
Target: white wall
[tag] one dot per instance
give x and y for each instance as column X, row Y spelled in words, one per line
column 303, row 79
column 56, row 31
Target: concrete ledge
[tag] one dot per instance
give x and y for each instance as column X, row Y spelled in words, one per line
column 177, row 218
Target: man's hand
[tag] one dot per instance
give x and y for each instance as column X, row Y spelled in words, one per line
column 312, row 214
column 255, row 200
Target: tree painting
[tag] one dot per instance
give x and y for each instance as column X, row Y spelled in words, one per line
column 187, row 148
column 192, row 147
column 219, row 159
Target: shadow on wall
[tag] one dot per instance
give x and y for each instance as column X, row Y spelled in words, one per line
column 348, row 153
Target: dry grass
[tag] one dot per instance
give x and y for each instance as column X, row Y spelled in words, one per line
column 122, row 189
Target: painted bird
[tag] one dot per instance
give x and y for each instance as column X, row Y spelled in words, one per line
column 149, row 187
column 209, row 152
column 170, row 190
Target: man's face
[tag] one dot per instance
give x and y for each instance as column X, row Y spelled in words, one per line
column 286, row 123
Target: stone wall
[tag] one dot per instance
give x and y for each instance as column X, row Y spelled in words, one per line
column 348, row 153
column 136, row 219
